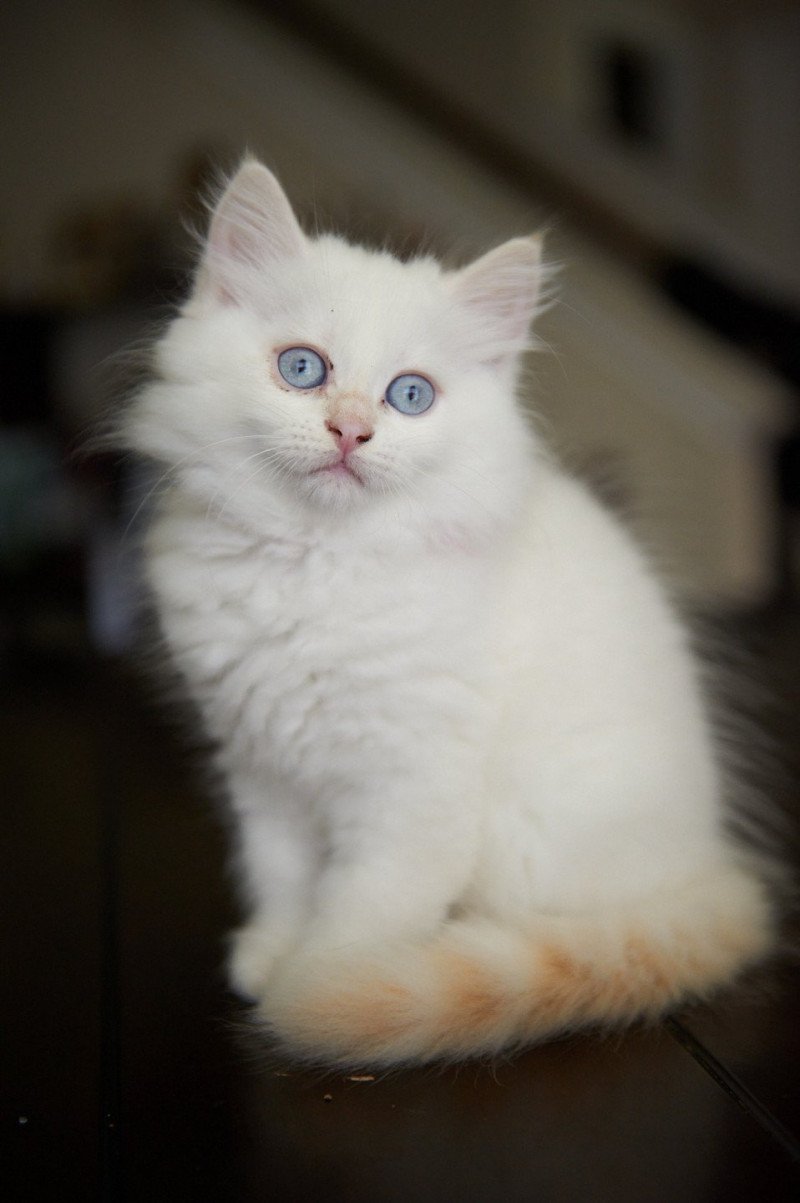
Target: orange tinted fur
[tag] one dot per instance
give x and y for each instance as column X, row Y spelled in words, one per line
column 445, row 1001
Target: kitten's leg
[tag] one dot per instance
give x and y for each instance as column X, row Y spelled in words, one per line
column 398, row 860
column 278, row 858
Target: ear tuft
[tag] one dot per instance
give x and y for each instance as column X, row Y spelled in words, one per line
column 501, row 291
column 253, row 225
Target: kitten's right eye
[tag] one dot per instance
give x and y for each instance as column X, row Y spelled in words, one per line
column 302, row 368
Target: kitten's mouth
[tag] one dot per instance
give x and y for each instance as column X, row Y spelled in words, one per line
column 340, row 469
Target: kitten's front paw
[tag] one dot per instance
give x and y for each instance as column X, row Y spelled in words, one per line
column 253, row 952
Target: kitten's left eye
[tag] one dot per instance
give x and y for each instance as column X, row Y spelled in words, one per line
column 410, row 394
column 302, row 368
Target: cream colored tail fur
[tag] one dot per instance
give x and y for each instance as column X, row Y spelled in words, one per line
column 479, row 988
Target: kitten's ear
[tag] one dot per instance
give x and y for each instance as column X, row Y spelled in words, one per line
column 501, row 291
column 252, row 226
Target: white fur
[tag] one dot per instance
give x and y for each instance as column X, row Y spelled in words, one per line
column 449, row 691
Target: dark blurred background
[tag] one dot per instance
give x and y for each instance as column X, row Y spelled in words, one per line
column 657, row 143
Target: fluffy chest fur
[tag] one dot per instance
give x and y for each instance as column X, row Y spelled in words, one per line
column 323, row 659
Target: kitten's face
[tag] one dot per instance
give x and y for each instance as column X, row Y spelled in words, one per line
column 336, row 376
column 359, row 376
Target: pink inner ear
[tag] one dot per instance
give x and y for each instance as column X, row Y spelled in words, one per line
column 227, row 239
column 253, row 225
column 511, row 305
column 502, row 287
column 225, row 296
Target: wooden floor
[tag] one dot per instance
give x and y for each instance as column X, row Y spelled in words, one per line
column 131, row 1075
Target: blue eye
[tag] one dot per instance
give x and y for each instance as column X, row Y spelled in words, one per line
column 301, row 367
column 410, row 394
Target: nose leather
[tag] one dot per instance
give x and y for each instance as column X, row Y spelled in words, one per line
column 348, row 433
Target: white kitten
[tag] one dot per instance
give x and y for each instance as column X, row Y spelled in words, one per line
column 463, row 738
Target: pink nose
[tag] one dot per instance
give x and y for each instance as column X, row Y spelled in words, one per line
column 348, row 433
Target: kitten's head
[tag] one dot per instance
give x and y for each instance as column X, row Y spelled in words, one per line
column 335, row 377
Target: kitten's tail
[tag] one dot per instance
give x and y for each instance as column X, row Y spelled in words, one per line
column 480, row 987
